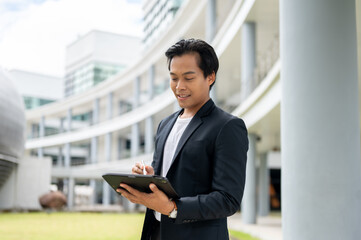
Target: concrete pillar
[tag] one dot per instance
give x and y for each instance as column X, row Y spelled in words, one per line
column 121, row 147
column 108, row 147
column 248, row 58
column 110, row 105
column 67, row 156
column 151, row 80
column 94, row 150
column 92, row 184
column 321, row 182
column 60, row 157
column 41, row 135
column 108, row 156
column 94, row 140
column 60, row 150
column 106, row 193
column 128, row 206
column 70, row 197
column 211, row 20
column 249, row 196
column 136, row 96
column 263, row 187
column 108, row 136
column 149, row 134
column 135, row 141
column 211, row 26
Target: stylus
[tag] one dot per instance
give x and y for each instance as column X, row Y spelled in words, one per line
column 144, row 171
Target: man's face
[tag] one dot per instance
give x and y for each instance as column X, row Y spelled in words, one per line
column 188, row 84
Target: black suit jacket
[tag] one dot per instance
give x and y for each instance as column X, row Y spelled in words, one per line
column 207, row 171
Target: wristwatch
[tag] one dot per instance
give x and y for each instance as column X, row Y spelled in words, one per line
column 173, row 213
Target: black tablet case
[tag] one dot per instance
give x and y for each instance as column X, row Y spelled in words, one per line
column 140, row 182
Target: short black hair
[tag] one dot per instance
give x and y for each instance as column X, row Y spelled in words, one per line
column 208, row 60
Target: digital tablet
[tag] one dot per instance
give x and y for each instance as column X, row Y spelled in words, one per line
column 140, row 182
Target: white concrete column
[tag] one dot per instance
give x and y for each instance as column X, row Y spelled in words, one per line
column 211, row 20
column 108, row 147
column 94, row 150
column 67, row 146
column 121, row 147
column 263, row 187
column 321, row 182
column 108, row 156
column 41, row 135
column 67, row 156
column 106, row 193
column 70, row 197
column 151, row 80
column 128, row 206
column 135, row 141
column 110, row 105
column 136, row 93
column 92, row 184
column 108, row 136
column 60, row 149
column 249, row 196
column 94, row 140
column 149, row 134
column 211, row 26
column 60, row 157
column 248, row 58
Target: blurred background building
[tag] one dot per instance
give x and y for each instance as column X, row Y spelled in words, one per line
column 115, row 96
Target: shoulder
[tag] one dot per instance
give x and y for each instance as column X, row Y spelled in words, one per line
column 224, row 118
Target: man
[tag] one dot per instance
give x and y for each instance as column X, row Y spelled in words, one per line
column 201, row 149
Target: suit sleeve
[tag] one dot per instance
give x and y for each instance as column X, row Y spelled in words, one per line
column 228, row 179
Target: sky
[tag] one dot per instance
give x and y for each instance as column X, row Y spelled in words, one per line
column 34, row 33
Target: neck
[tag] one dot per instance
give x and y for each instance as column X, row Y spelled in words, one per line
column 188, row 113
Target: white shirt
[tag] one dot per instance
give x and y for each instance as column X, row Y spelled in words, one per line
column 170, row 147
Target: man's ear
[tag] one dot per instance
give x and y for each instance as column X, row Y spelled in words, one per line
column 211, row 78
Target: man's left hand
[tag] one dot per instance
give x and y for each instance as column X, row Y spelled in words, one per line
column 156, row 200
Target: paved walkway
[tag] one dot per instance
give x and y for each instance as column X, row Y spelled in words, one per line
column 267, row 228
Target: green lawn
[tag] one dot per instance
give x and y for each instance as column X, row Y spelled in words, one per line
column 241, row 235
column 76, row 226
column 66, row 226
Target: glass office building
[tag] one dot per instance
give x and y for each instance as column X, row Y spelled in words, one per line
column 95, row 57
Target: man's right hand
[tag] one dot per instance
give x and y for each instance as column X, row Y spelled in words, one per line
column 138, row 169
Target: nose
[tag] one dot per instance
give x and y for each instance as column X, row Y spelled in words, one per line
column 180, row 85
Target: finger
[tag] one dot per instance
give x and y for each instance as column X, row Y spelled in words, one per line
column 150, row 170
column 137, row 169
column 130, row 190
column 127, row 195
column 153, row 188
column 139, row 165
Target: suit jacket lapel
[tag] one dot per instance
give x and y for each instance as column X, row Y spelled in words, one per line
column 193, row 125
column 162, row 139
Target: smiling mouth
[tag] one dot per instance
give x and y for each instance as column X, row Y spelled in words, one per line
column 182, row 96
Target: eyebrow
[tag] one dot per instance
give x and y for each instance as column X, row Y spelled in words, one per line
column 186, row 73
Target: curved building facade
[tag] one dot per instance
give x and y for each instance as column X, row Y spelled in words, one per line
column 12, row 127
column 302, row 94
